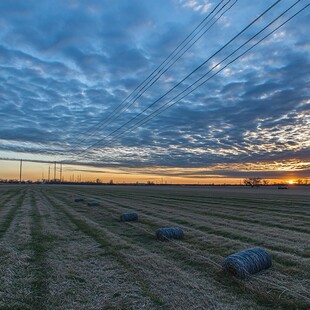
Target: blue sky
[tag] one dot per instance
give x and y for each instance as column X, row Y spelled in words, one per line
column 66, row 65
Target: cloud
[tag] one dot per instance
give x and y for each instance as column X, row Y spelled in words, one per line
column 65, row 67
column 197, row 5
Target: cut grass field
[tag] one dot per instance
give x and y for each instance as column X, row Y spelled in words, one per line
column 60, row 254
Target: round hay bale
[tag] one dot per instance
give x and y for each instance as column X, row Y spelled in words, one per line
column 247, row 262
column 79, row 200
column 129, row 216
column 169, row 233
column 93, row 203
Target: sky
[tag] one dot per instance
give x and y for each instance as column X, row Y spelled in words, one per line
column 78, row 80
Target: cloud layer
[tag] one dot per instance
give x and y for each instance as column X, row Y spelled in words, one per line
column 67, row 65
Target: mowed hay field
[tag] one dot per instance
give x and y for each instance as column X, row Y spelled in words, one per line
column 60, row 254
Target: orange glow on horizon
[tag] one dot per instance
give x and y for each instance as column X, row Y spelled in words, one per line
column 157, row 175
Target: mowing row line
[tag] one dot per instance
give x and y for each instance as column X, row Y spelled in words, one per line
column 100, row 236
column 300, row 226
column 155, row 267
column 89, row 264
column 8, row 217
column 298, row 223
column 233, row 205
column 15, row 284
column 39, row 246
column 218, row 200
column 177, row 253
column 236, row 232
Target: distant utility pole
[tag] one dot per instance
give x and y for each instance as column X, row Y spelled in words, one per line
column 60, row 174
column 55, row 171
column 20, row 171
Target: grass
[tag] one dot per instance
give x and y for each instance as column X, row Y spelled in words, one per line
column 84, row 257
column 110, row 249
column 39, row 246
column 6, row 222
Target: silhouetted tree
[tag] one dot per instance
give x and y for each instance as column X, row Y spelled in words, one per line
column 252, row 182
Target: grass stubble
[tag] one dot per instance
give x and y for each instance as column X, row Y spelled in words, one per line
column 84, row 273
column 15, row 236
column 288, row 278
column 58, row 254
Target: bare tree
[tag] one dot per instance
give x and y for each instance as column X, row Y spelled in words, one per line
column 252, row 182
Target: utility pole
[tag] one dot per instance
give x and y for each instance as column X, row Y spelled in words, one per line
column 55, row 171
column 20, row 171
column 60, row 176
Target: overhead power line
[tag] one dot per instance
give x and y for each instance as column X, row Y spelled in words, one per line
column 166, row 106
column 172, row 58
column 179, row 83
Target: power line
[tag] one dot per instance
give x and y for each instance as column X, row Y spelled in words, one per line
column 155, row 113
column 166, row 106
column 156, row 78
column 186, row 77
column 161, row 69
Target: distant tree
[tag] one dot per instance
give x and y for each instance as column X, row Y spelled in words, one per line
column 265, row 182
column 252, row 182
column 98, row 181
column 299, row 181
column 111, row 182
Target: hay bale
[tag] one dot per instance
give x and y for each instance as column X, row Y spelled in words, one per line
column 247, row 262
column 79, row 200
column 129, row 216
column 169, row 233
column 93, row 203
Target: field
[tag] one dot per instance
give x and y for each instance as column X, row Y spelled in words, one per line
column 60, row 254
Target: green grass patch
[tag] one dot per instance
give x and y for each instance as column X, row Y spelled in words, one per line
column 39, row 246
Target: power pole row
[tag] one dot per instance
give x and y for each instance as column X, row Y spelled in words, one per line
column 20, row 171
column 49, row 172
